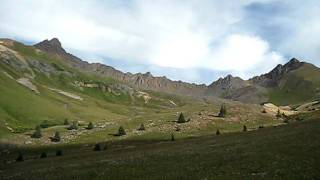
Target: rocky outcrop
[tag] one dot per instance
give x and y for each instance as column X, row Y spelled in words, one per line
column 28, row 84
column 225, row 86
column 237, row 89
column 272, row 79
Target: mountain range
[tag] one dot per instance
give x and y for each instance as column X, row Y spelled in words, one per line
column 51, row 99
column 290, row 83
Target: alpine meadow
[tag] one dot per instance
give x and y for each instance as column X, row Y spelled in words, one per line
column 134, row 89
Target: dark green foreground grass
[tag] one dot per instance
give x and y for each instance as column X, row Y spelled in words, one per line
column 286, row 152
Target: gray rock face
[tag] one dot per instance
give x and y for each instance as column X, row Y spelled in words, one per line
column 272, row 79
column 226, row 86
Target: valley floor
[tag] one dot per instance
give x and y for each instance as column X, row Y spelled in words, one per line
column 289, row 151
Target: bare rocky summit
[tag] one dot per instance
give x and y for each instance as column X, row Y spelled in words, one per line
column 273, row 78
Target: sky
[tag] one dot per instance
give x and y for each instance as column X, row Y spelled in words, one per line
column 195, row 41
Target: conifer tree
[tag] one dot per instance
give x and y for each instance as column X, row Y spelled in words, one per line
column 223, row 111
column 181, row 118
column 90, row 125
column 121, row 131
column 43, row 155
column 74, row 125
column 66, row 121
column 142, row 128
column 20, row 157
column 59, row 153
column 278, row 114
column 172, row 137
column 56, row 137
column 97, row 147
column 244, row 128
column 37, row 133
column 217, row 132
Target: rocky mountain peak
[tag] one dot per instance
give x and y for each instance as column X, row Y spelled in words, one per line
column 225, row 86
column 226, row 80
column 293, row 63
column 52, row 46
column 55, row 42
column 294, row 60
column 272, row 78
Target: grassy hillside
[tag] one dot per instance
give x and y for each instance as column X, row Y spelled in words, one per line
column 300, row 85
column 105, row 102
column 285, row 152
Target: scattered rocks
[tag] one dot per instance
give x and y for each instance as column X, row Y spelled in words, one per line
column 27, row 83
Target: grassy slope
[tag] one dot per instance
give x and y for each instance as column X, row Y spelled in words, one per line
column 22, row 109
column 287, row 152
column 299, row 86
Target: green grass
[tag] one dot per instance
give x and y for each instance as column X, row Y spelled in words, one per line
column 301, row 85
column 286, row 152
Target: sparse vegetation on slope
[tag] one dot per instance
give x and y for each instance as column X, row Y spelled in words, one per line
column 266, row 153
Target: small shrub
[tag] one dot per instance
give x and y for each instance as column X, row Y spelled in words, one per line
column 57, row 67
column 20, row 157
column 43, row 155
column 90, row 126
column 73, row 126
column 66, row 122
column 278, row 115
column 142, row 128
column 181, row 118
column 223, row 111
column 172, row 137
column 59, row 153
column 44, row 124
column 121, row 131
column 37, row 133
column 99, row 147
column 56, row 137
column 298, row 118
column 245, row 128
column 218, row 132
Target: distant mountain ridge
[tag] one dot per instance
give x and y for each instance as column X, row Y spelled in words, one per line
column 282, row 85
column 272, row 78
column 254, row 90
column 139, row 80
